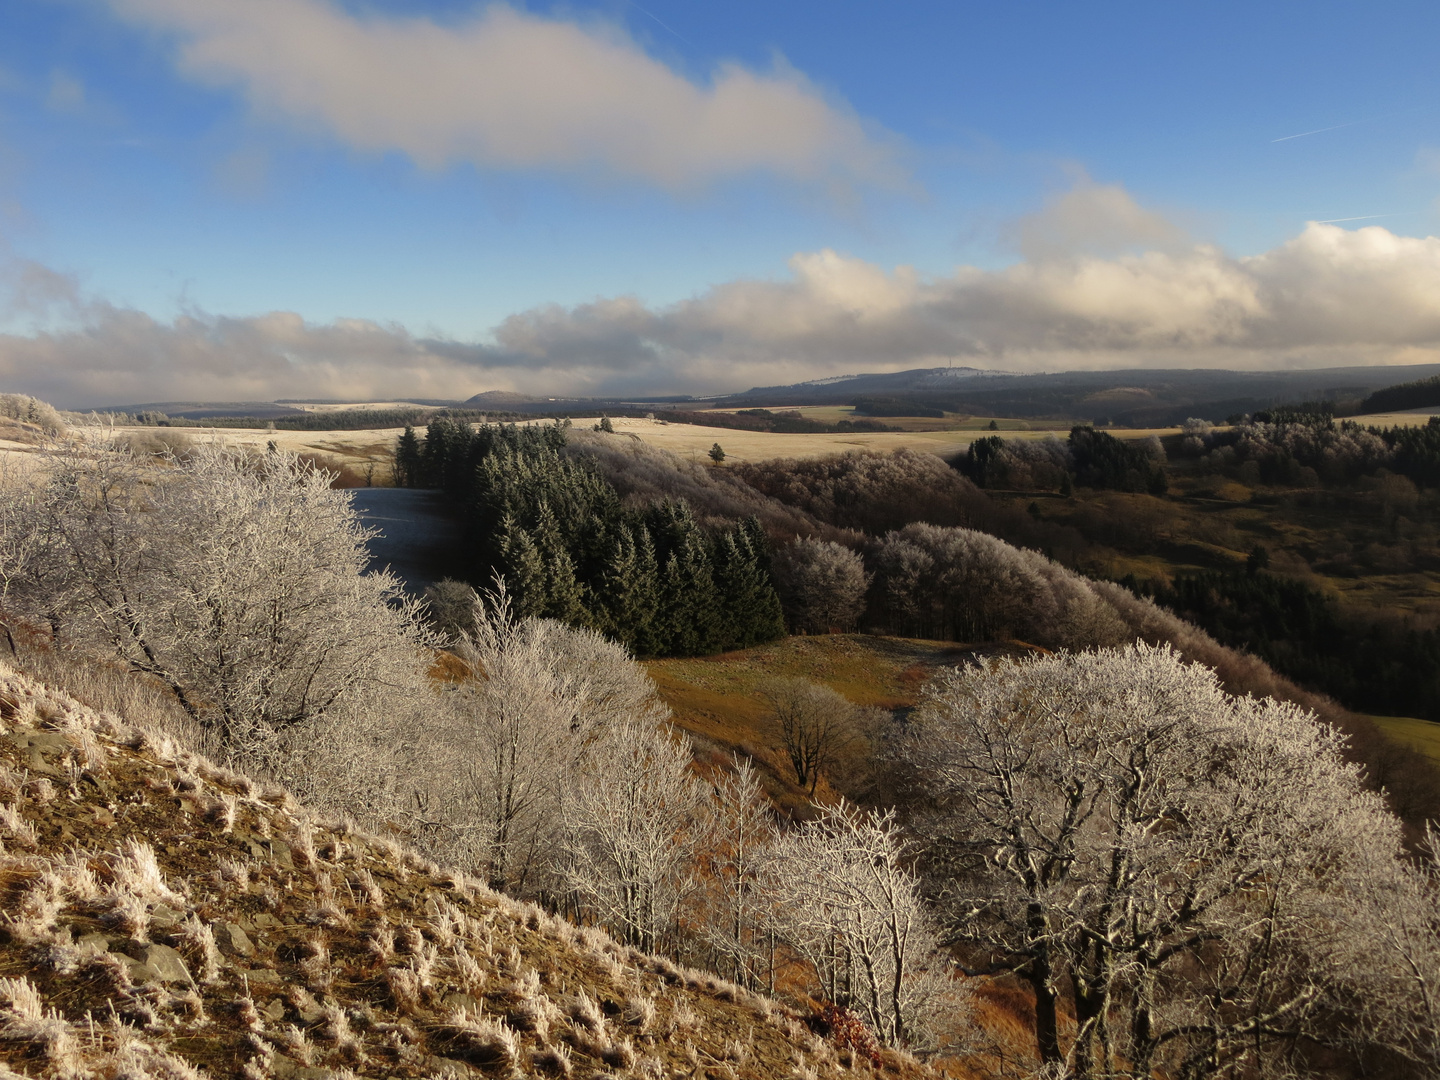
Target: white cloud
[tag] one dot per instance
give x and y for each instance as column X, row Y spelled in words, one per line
column 1093, row 219
column 1327, row 297
column 513, row 90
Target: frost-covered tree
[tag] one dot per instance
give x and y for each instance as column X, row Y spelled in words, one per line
column 967, row 585
column 736, row 857
column 450, row 608
column 1186, row 869
column 844, row 899
column 635, row 818
column 493, row 767
column 237, row 582
column 822, row 585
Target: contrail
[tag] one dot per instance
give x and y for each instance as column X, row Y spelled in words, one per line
column 1337, row 127
column 661, row 21
column 1363, row 217
column 1317, row 131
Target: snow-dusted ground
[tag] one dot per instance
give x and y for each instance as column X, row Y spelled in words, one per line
column 416, row 538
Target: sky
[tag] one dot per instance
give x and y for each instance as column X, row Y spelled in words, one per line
column 252, row 199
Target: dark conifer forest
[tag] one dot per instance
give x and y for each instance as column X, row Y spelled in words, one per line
column 567, row 546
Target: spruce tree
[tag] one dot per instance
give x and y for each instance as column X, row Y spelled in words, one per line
column 749, row 599
column 691, row 602
column 523, row 568
column 626, row 594
column 407, row 459
column 564, row 595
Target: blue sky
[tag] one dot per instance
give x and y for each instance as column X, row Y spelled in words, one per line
column 215, row 198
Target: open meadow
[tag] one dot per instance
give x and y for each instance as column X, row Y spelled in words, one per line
column 364, row 448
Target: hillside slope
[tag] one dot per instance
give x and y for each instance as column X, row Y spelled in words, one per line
column 168, row 918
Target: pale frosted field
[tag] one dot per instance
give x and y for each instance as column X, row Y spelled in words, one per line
column 1410, row 418
column 687, row 440
column 373, row 445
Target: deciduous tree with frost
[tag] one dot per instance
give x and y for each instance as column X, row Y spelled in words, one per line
column 491, row 768
column 737, row 854
column 635, row 816
column 843, row 898
column 236, row 581
column 1193, row 874
column 822, row 585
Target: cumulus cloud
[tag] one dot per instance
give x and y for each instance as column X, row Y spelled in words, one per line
column 1094, row 219
column 1329, row 296
column 514, row 90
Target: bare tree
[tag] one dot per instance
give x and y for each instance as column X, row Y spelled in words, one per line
column 822, row 585
column 450, row 608
column 634, row 820
column 815, row 725
column 1189, row 866
column 843, row 898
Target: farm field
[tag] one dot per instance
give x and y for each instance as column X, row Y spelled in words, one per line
column 372, row 446
column 1408, row 418
column 833, row 414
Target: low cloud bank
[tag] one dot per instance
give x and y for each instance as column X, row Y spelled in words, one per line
column 1329, row 296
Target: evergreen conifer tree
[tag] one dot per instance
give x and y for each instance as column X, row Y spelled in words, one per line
column 691, row 602
column 749, row 601
column 407, row 459
column 564, row 595
column 523, row 568
column 627, row 592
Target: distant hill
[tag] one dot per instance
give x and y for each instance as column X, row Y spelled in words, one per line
column 1135, row 398
column 168, row 918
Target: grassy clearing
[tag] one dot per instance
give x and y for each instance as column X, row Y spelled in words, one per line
column 1421, row 734
column 718, row 700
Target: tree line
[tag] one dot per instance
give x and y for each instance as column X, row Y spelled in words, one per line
column 1305, row 449
column 568, row 548
column 1378, row 665
column 1420, row 394
column 1090, row 458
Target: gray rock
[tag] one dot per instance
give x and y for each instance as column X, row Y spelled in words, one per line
column 449, row 1067
column 166, row 917
column 280, row 851
column 231, row 938
column 96, row 942
column 166, row 964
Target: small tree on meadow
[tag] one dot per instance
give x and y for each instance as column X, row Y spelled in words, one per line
column 814, row 723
